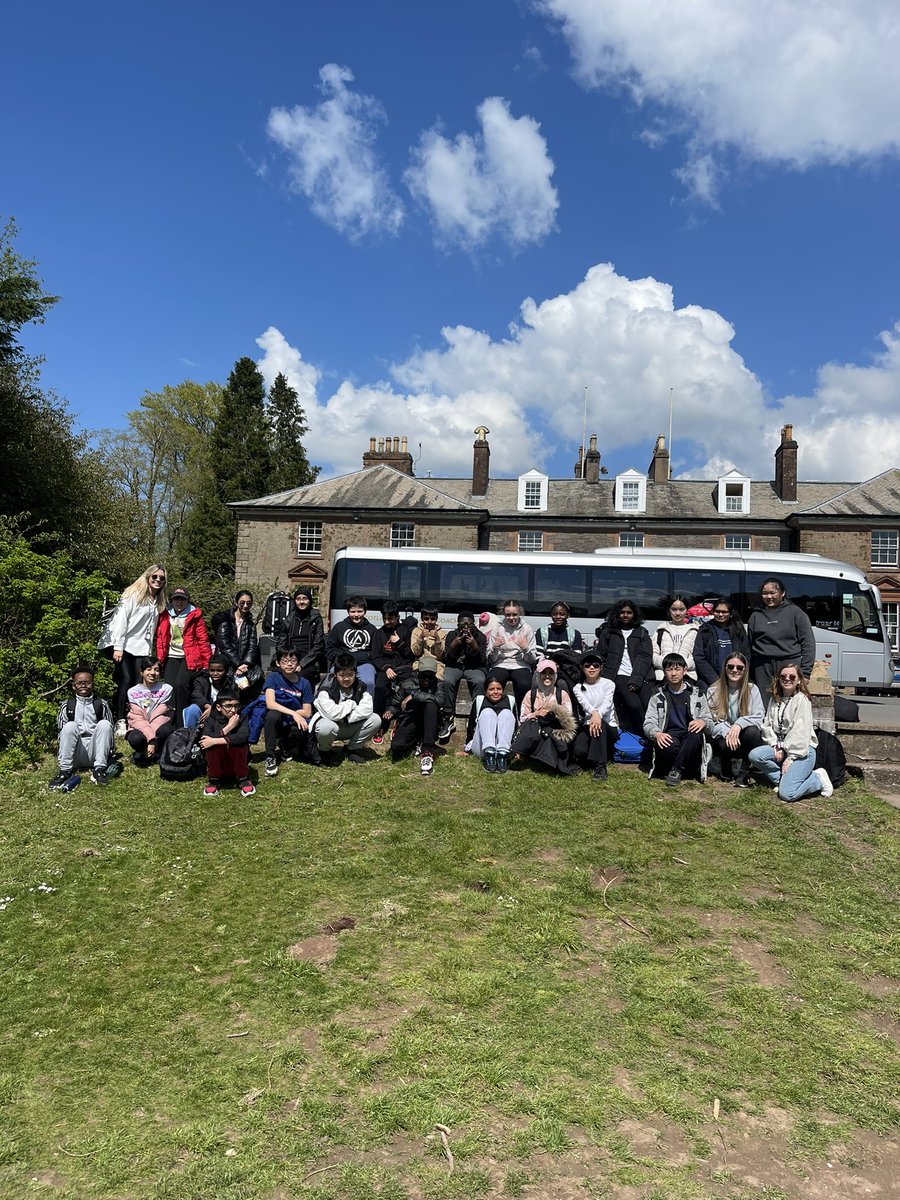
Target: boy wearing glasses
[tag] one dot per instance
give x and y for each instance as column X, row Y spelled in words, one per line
column 676, row 720
column 225, row 742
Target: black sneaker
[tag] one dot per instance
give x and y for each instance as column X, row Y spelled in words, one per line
column 489, row 761
column 57, row 782
column 600, row 774
column 445, row 733
column 673, row 778
column 271, row 764
column 354, row 757
column 99, row 776
column 743, row 781
column 502, row 762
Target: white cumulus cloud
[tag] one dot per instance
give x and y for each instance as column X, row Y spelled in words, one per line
column 497, row 182
column 792, row 81
column 332, row 159
column 627, row 342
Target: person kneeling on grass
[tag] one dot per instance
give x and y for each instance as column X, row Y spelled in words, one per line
column 788, row 757
column 598, row 731
column 421, row 702
column 85, row 729
column 225, row 742
column 492, row 724
column 548, row 725
column 345, row 710
column 677, row 718
column 151, row 714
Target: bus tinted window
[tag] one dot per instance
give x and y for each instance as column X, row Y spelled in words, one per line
column 647, row 587
column 817, row 597
column 859, row 616
column 476, row 586
column 699, row 585
column 364, row 577
column 410, row 593
column 554, row 583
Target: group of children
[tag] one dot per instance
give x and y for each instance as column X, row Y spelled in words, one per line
column 400, row 681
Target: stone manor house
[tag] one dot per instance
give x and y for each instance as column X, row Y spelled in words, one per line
column 289, row 538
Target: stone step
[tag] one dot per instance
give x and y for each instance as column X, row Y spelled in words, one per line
column 865, row 744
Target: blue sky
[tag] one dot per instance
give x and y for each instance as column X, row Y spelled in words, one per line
column 431, row 218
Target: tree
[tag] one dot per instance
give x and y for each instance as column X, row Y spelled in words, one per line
column 287, row 428
column 22, row 299
column 240, row 468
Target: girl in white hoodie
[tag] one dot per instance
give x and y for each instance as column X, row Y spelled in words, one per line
column 788, row 757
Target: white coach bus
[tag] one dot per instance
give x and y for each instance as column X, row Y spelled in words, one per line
column 844, row 608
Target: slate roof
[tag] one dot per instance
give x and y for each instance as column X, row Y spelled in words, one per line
column 387, row 489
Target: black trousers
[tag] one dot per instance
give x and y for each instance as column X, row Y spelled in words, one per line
column 125, row 675
column 594, row 749
column 291, row 737
column 631, row 707
column 685, row 754
column 138, row 741
column 418, row 722
column 751, row 737
column 176, row 674
column 521, row 680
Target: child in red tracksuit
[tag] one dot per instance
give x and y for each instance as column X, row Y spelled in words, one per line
column 225, row 742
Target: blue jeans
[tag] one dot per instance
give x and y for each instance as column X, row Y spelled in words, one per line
column 796, row 782
column 191, row 716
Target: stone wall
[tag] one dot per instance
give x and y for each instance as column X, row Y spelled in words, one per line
column 847, row 545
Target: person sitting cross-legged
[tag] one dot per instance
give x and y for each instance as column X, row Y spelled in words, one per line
column 226, row 734
column 345, row 710
column 86, row 733
column 677, row 718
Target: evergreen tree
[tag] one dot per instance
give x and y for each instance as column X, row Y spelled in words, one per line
column 240, row 468
column 287, row 428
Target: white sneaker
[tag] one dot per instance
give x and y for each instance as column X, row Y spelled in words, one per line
column 426, row 764
column 827, row 785
column 121, row 728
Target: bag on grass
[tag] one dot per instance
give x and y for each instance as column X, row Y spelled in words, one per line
column 830, row 755
column 178, row 758
column 629, row 748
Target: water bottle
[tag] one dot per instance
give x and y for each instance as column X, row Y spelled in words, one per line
column 71, row 784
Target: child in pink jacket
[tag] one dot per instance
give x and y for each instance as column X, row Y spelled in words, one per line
column 150, row 713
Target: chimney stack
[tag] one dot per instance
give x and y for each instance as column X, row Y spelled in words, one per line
column 659, row 470
column 391, row 452
column 592, row 462
column 579, row 466
column 786, row 465
column 481, row 462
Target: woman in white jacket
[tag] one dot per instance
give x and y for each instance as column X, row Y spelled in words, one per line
column 738, row 712
column 675, row 636
column 131, row 632
column 788, row 757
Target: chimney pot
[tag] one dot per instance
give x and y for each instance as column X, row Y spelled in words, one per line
column 403, row 445
column 396, row 445
column 660, row 465
column 592, row 461
column 381, row 445
column 371, row 445
column 786, row 465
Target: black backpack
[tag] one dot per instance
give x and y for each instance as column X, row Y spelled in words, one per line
column 70, row 708
column 830, row 755
column 179, row 757
column 275, row 609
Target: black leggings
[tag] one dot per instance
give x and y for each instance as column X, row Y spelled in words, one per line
column 125, row 675
column 631, row 707
column 138, row 741
column 751, row 737
column 418, row 722
column 521, row 680
column 181, row 680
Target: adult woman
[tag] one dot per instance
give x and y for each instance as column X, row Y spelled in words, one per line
column 717, row 639
column 130, row 633
column 236, row 641
column 737, row 711
column 780, row 633
column 788, row 757
column 675, row 636
column 303, row 632
column 512, row 650
column 626, row 651
column 182, row 646
column 561, row 643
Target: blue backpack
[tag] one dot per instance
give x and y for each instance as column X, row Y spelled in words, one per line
column 629, row 748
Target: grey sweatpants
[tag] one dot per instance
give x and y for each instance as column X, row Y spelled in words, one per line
column 76, row 751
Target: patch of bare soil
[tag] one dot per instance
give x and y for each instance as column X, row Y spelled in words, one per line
column 607, row 877
column 717, row 922
column 877, row 985
column 50, row 1179
column 754, row 1152
column 884, row 1024
column 549, row 855
column 319, row 950
column 761, row 962
column 603, row 933
column 572, row 1175
column 622, row 1080
column 712, row 816
column 662, row 1142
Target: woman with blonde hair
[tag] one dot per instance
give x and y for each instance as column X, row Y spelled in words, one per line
column 738, row 712
column 130, row 633
column 788, row 757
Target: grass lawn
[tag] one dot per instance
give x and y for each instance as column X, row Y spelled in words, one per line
column 620, row 990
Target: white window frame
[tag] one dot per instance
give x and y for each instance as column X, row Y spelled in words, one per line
column 533, row 487
column 733, row 493
column 309, row 538
column 631, row 541
column 744, row 538
column 885, row 556
column 403, row 534
column 530, row 540
column 636, row 485
column 891, row 612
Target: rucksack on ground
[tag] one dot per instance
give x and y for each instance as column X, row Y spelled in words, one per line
column 178, row 759
column 830, row 755
column 629, row 748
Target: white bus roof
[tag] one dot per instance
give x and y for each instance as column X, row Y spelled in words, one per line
column 749, row 560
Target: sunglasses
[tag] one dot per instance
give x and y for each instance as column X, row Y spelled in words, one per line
column 162, row 577
column 789, row 678
column 739, row 667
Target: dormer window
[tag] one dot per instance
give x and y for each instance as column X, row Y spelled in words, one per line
column 734, row 493
column 532, row 492
column 631, row 492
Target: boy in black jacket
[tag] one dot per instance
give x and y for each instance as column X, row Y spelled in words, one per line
column 392, row 657
column 354, row 635
column 225, row 742
column 421, row 700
